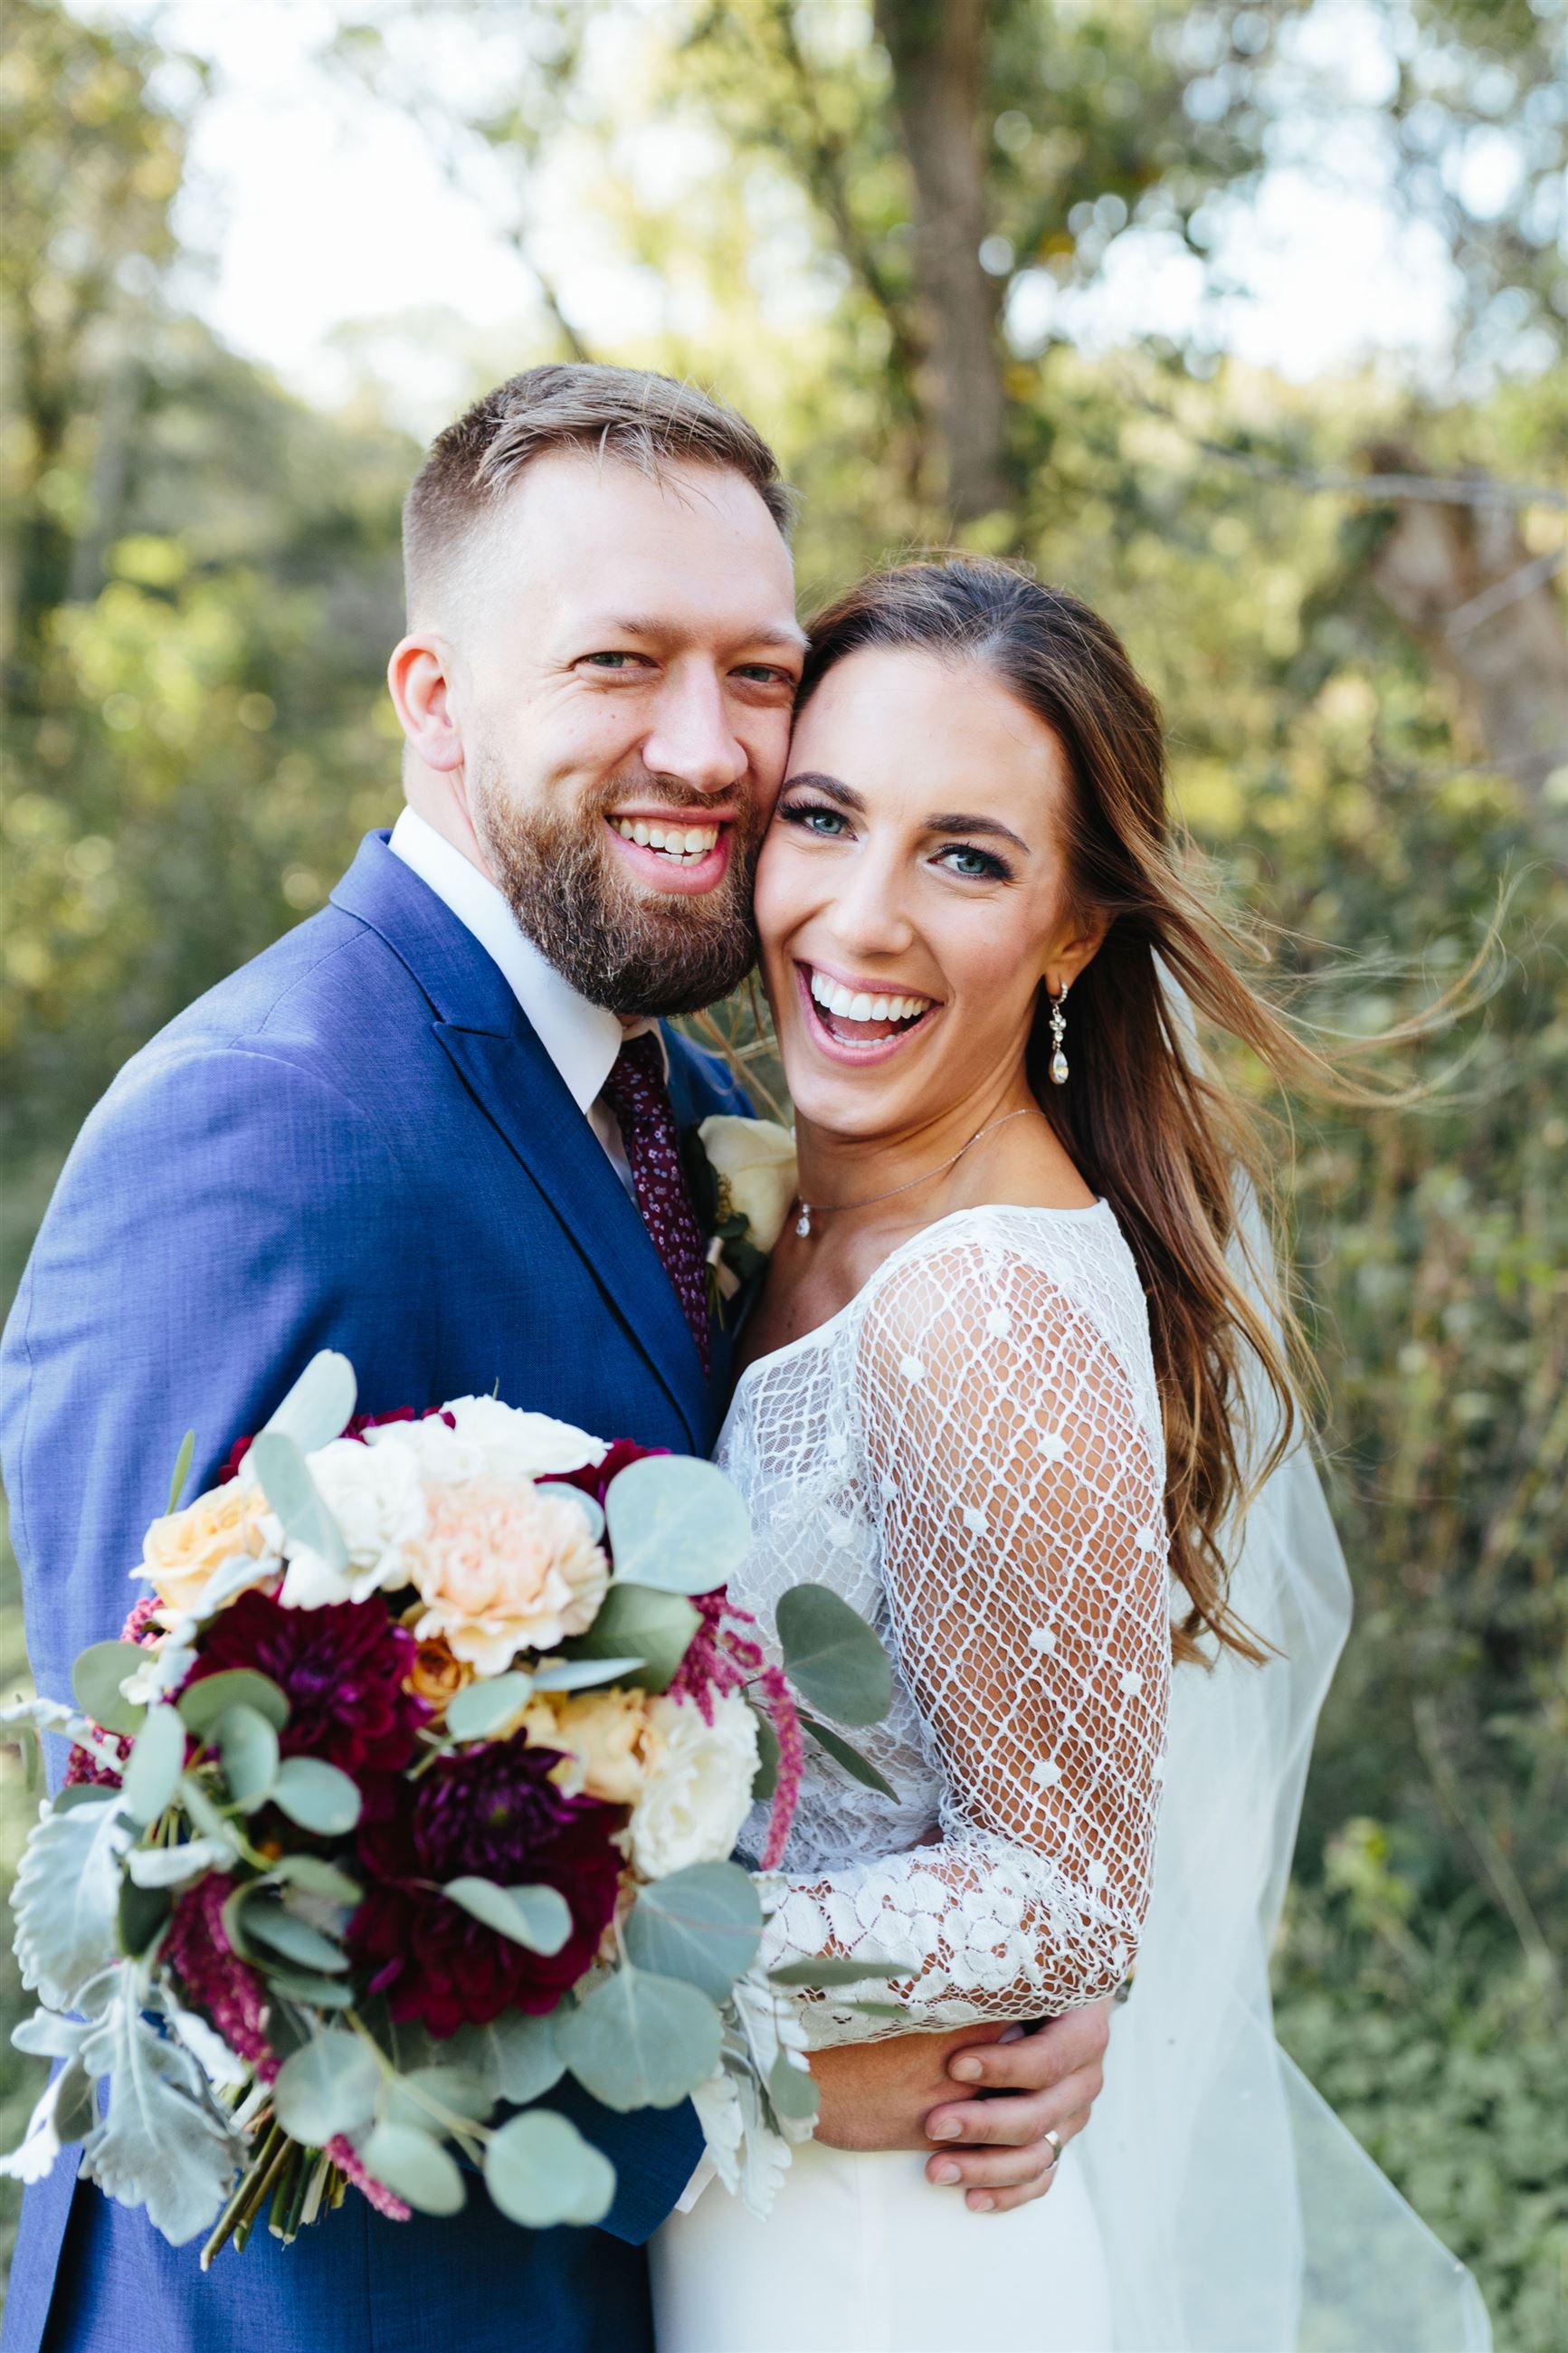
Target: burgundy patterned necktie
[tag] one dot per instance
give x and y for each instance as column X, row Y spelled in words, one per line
column 637, row 1093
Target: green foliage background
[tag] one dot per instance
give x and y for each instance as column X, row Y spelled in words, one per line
column 198, row 575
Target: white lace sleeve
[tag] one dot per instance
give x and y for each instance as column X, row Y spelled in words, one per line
column 1019, row 1509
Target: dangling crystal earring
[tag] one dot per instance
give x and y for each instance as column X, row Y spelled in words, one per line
column 1059, row 1031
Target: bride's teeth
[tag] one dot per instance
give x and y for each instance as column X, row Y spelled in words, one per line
column 841, row 1000
column 860, row 1009
column 879, row 1008
column 822, row 990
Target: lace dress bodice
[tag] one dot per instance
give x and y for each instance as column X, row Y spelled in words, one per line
column 970, row 1453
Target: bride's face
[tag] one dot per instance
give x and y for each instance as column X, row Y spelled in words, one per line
column 910, row 895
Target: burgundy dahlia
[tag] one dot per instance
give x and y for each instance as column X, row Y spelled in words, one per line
column 343, row 1668
column 490, row 1811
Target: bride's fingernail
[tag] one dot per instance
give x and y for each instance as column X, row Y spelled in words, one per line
column 945, row 2130
column 966, row 2070
column 946, row 2172
column 980, row 2204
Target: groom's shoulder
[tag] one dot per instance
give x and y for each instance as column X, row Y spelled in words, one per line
column 320, row 1022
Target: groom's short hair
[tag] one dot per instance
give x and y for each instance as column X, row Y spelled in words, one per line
column 646, row 420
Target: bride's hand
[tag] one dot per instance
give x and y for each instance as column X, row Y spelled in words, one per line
column 898, row 2093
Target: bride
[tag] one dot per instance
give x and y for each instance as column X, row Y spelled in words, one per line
column 1015, row 1377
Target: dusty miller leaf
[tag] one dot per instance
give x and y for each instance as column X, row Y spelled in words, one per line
column 164, row 2143
column 67, row 1899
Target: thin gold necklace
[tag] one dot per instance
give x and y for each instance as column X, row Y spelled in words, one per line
column 809, row 1209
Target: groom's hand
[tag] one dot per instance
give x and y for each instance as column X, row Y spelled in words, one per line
column 903, row 2094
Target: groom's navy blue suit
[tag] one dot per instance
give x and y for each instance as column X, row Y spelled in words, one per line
column 358, row 1143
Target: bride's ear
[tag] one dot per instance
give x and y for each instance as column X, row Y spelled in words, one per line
column 1070, row 954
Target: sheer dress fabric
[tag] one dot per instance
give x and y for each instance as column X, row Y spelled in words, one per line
column 971, row 1454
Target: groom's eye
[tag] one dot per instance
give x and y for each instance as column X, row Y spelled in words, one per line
column 614, row 661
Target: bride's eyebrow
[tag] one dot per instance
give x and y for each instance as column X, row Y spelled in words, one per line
column 989, row 828
column 831, row 787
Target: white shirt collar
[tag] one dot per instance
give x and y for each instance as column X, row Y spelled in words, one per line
column 581, row 1038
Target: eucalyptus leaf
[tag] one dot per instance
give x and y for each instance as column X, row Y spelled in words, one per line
column 793, row 2091
column 307, row 1986
column 592, row 1512
column 537, row 1917
column 641, row 2041
column 153, row 1769
column 418, row 2099
column 247, row 1746
column 515, row 2054
column 317, row 1796
column 182, row 1469
column 330, row 2086
column 205, row 1815
column 635, row 1621
column 676, row 1524
column 414, row 2168
column 541, row 2171
column 765, row 1780
column 312, row 1876
column 702, row 1925
column 832, row 1657
column 141, row 1916
column 318, row 1409
column 825, row 1972
column 286, row 1482
column 582, row 1675
column 479, row 1707
column 859, row 1768
column 66, row 1897
column 282, row 1931
column 164, row 2142
column 203, row 1702
column 96, row 1679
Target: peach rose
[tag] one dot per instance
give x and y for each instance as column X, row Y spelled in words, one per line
column 502, row 1568
column 181, row 1551
column 607, row 1737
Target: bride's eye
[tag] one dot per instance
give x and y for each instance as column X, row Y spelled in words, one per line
column 975, row 865
column 815, row 817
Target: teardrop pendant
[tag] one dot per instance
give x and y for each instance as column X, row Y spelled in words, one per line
column 1058, row 1069
column 802, row 1223
column 1059, row 1062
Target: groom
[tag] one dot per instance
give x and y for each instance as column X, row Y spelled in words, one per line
column 434, row 1127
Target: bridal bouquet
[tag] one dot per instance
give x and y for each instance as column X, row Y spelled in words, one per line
column 411, row 1789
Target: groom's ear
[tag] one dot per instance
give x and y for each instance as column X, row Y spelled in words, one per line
column 418, row 679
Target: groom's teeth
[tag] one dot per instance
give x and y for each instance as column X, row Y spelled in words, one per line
column 685, row 844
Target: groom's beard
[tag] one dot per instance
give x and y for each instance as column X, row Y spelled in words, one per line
column 631, row 951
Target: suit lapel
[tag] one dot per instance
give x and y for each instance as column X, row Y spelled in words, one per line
column 500, row 1059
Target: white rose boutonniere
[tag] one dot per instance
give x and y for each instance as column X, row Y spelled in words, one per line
column 744, row 1186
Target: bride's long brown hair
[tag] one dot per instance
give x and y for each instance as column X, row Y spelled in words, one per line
column 1153, row 1130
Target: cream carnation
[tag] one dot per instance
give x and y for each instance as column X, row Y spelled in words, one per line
column 517, row 1445
column 502, row 1568
column 376, row 1498
column 699, row 1791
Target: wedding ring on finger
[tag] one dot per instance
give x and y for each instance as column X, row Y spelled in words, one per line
column 1056, row 2142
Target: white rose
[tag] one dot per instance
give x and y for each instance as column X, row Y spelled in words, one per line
column 517, row 1445
column 756, row 1159
column 376, row 1495
column 700, row 1790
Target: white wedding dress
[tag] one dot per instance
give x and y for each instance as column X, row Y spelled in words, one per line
column 970, row 1454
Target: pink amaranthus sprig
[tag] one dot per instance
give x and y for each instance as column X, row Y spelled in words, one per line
column 80, row 1767
column 722, row 1657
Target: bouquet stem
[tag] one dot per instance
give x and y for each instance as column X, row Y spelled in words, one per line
column 250, row 2191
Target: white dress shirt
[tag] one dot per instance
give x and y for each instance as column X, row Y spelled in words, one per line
column 581, row 1038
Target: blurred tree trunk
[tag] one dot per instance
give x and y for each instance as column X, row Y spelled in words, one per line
column 1465, row 585
column 938, row 49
